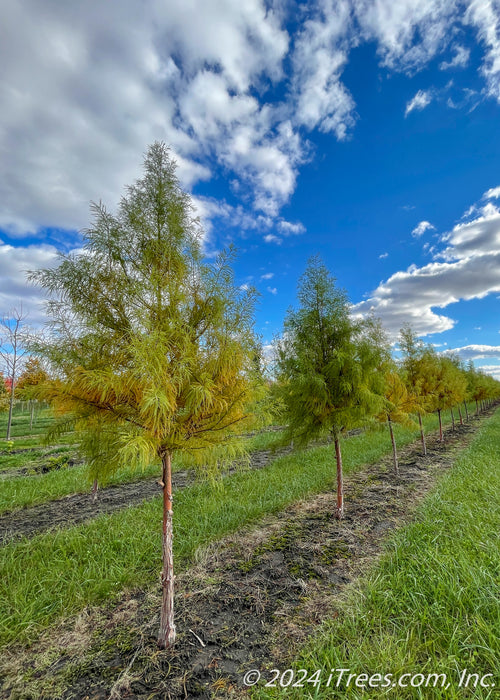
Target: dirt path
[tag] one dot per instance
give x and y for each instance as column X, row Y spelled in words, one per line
column 80, row 507
column 250, row 601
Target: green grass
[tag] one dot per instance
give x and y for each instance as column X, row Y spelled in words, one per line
column 23, row 492
column 58, row 573
column 431, row 605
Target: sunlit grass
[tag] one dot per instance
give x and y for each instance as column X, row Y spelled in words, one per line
column 58, row 573
column 431, row 605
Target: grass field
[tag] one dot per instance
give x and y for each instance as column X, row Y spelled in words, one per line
column 38, row 488
column 60, row 572
column 431, row 606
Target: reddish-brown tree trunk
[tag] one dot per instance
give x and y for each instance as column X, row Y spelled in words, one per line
column 452, row 420
column 166, row 635
column 460, row 414
column 440, row 426
column 466, row 411
column 394, row 449
column 422, row 435
column 339, row 513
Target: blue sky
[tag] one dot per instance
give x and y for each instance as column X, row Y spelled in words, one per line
column 364, row 131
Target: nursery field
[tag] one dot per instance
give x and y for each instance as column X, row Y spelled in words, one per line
column 267, row 578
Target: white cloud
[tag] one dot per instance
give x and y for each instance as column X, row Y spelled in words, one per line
column 272, row 290
column 383, row 255
column 485, row 16
column 471, row 270
column 288, row 228
column 459, row 60
column 477, row 352
column 420, row 101
column 271, row 238
column 267, row 276
column 321, row 51
column 493, row 370
column 492, row 193
column 409, row 32
column 421, row 228
column 15, row 262
column 87, row 86
column 479, row 238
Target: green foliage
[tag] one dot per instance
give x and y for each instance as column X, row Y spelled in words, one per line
column 32, row 375
column 401, row 402
column 330, row 367
column 153, row 348
column 4, row 395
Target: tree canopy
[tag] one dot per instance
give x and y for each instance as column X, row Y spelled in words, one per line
column 153, row 350
column 328, row 364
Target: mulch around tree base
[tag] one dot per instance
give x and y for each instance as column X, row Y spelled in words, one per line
column 248, row 603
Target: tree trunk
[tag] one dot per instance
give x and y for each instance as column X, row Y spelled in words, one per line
column 394, row 449
column 452, row 420
column 477, row 408
column 339, row 513
column 32, row 410
column 166, row 635
column 11, row 406
column 95, row 488
column 466, row 411
column 440, row 426
column 460, row 414
column 422, row 435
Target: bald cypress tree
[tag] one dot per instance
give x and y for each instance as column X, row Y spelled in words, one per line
column 328, row 366
column 152, row 349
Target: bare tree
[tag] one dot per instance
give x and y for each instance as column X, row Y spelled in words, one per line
column 13, row 337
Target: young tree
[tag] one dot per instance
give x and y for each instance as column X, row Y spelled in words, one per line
column 413, row 367
column 13, row 339
column 153, row 348
column 328, row 366
column 400, row 404
column 30, row 378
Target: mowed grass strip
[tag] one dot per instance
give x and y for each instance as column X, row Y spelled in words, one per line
column 58, row 573
column 432, row 604
column 16, row 493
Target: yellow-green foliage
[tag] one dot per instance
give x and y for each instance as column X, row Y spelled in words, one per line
column 154, row 350
column 330, row 367
column 401, row 402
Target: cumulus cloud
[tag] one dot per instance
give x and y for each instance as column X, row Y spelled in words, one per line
column 267, row 276
column 420, row 101
column 467, row 268
column 321, row 51
column 272, row 290
column 87, row 86
column 477, row 352
column 15, row 262
column 421, row 228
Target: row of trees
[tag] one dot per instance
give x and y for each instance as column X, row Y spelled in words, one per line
column 152, row 351
column 23, row 386
column 335, row 372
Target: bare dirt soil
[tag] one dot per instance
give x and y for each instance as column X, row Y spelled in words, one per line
column 249, row 601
